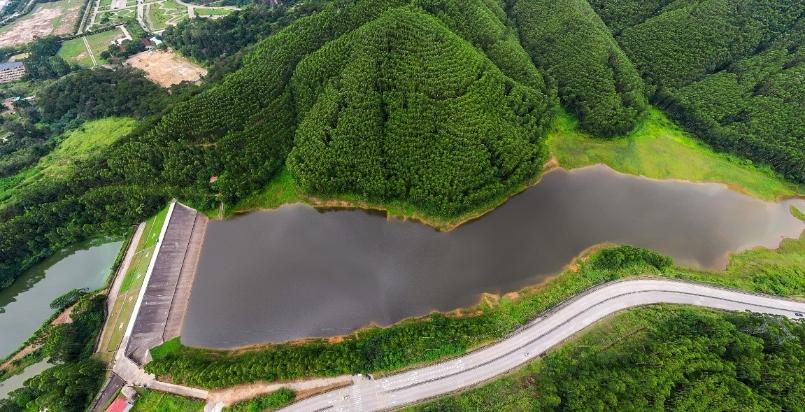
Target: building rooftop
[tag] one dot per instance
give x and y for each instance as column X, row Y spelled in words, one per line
column 11, row 65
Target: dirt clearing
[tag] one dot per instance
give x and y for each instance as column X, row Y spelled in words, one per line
column 56, row 18
column 166, row 68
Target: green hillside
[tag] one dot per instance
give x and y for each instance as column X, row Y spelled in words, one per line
column 596, row 80
column 404, row 109
column 440, row 108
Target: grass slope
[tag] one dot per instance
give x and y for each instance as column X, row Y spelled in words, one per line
column 75, row 146
column 657, row 148
column 153, row 401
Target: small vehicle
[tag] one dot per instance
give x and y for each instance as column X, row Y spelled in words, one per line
column 798, row 314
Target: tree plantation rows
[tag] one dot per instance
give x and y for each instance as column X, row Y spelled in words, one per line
column 671, row 359
column 439, row 105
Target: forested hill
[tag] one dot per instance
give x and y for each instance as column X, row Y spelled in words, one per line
column 732, row 71
column 439, row 105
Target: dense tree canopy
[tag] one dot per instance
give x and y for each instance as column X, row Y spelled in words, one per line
column 442, row 113
column 660, row 359
column 731, row 71
column 404, row 109
column 571, row 44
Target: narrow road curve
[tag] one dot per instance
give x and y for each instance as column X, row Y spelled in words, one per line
column 534, row 339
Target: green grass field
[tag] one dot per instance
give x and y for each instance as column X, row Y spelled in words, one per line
column 77, row 145
column 659, row 149
column 161, row 15
column 205, row 12
column 74, row 51
column 153, row 401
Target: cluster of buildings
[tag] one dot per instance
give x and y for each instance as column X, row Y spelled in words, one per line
column 11, row 71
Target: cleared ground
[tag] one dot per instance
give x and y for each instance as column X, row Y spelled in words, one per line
column 166, row 68
column 75, row 50
column 57, row 18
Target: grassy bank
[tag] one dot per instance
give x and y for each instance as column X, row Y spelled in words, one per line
column 117, row 320
column 150, row 401
column 270, row 402
column 659, row 149
column 284, row 190
column 438, row 336
column 657, row 358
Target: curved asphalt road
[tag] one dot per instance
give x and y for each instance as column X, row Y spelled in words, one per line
column 534, row 339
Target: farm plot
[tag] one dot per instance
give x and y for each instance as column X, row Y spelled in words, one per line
column 57, row 18
column 76, row 50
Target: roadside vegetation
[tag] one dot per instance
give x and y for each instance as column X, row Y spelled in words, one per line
column 270, row 402
column 439, row 336
column 657, row 358
column 150, row 401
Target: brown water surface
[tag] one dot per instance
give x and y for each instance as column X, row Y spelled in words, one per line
column 297, row 272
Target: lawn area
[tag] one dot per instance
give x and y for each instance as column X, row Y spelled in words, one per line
column 74, row 51
column 163, row 14
column 659, row 149
column 118, row 318
column 76, row 145
column 206, row 11
column 153, row 401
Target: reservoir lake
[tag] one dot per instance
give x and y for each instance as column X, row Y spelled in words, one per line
column 26, row 303
column 299, row 272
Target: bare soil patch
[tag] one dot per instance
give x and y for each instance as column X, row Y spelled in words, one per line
column 166, row 68
column 54, row 18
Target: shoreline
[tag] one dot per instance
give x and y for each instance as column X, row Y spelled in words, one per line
column 448, row 225
column 485, row 299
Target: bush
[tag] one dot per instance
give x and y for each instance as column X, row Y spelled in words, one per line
column 621, row 257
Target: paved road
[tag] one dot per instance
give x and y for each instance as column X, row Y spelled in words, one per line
column 534, row 339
